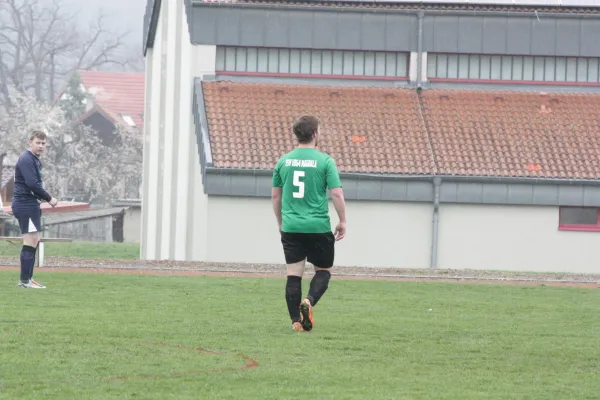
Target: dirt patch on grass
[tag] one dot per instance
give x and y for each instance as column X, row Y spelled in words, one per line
column 190, row 268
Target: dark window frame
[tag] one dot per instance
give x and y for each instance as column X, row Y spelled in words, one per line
column 582, row 227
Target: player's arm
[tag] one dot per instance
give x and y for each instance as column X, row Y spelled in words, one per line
column 337, row 197
column 28, row 171
column 276, row 193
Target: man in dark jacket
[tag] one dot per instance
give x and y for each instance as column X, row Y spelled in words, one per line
column 29, row 192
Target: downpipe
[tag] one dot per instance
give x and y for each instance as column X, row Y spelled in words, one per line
column 420, row 16
column 437, row 183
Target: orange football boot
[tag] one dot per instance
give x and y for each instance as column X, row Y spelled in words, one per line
column 307, row 315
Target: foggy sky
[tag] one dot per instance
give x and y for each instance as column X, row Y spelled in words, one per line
column 124, row 14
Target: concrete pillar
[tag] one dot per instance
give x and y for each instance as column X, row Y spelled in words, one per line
column 169, row 132
column 151, row 201
column 182, row 214
column 174, row 204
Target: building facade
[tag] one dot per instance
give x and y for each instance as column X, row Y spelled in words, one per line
column 466, row 134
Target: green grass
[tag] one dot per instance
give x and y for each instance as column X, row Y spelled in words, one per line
column 97, row 250
column 372, row 339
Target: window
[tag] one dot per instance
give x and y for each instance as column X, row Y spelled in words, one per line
column 312, row 62
column 527, row 69
column 128, row 119
column 579, row 219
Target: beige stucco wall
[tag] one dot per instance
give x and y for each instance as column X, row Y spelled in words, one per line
column 389, row 234
column 379, row 234
column 514, row 238
column 172, row 224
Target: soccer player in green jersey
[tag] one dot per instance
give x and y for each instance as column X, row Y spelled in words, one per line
column 299, row 194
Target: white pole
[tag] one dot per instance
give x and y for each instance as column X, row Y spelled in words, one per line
column 41, row 254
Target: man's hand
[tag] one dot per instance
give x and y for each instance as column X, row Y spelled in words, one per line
column 340, row 231
column 53, row 202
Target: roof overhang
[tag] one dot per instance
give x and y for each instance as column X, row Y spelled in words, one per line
column 62, row 206
column 94, row 110
column 83, row 215
column 421, row 188
column 209, row 22
column 150, row 22
column 107, row 116
column 410, row 7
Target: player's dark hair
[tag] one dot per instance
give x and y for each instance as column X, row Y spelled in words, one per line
column 37, row 135
column 305, row 128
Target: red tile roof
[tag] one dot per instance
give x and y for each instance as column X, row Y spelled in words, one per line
column 116, row 93
column 425, row 6
column 512, row 134
column 393, row 130
column 365, row 130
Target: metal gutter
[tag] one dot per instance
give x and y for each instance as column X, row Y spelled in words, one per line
column 201, row 128
column 513, row 87
column 425, row 177
column 343, row 175
column 405, row 11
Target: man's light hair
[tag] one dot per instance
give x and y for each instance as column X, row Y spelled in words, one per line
column 37, row 134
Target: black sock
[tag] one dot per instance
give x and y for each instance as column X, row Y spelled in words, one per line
column 27, row 262
column 318, row 286
column 293, row 296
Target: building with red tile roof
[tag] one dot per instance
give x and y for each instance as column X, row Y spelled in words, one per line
column 467, row 135
column 119, row 95
column 113, row 100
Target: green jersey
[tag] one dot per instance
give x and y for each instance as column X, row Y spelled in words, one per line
column 305, row 174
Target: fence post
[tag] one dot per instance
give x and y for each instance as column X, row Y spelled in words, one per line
column 41, row 244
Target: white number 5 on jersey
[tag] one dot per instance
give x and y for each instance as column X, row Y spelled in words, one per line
column 299, row 184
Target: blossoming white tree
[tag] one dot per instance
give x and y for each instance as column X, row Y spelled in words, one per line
column 75, row 160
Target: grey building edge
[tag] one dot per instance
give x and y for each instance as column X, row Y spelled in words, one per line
column 150, row 22
column 422, row 28
column 408, row 188
column 433, row 189
column 421, row 188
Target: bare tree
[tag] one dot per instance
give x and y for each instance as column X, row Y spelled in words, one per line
column 41, row 44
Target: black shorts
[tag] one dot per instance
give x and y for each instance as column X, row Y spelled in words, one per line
column 29, row 217
column 317, row 248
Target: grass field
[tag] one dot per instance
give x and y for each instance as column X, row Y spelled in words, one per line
column 97, row 250
column 99, row 336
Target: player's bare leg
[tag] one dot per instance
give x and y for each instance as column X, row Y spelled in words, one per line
column 293, row 293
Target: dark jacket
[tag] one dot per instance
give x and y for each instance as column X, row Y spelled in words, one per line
column 29, row 188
